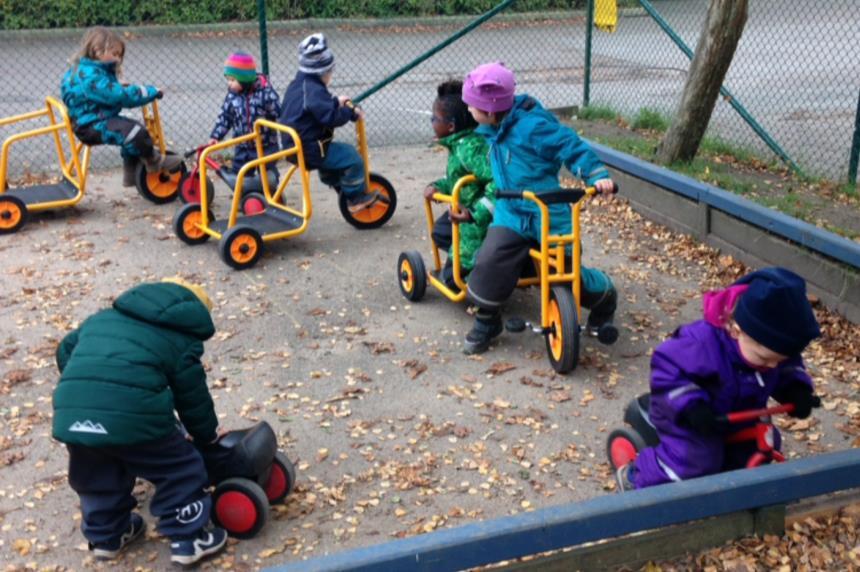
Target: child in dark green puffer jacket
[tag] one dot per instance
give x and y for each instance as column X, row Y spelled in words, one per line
column 126, row 373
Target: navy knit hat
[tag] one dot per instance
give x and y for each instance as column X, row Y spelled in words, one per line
column 314, row 55
column 775, row 312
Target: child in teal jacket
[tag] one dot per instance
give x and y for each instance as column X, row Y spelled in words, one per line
column 528, row 147
column 95, row 97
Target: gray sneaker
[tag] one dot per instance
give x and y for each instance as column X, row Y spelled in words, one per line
column 622, row 478
column 169, row 163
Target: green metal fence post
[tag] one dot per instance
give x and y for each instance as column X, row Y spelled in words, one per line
column 433, row 51
column 727, row 95
column 264, row 36
column 589, row 24
column 855, row 148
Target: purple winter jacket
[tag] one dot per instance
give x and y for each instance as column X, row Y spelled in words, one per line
column 702, row 362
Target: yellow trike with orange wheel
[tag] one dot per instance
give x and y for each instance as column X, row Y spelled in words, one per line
column 241, row 235
column 16, row 204
column 159, row 187
column 557, row 273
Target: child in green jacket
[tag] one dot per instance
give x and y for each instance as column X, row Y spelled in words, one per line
column 125, row 374
column 454, row 128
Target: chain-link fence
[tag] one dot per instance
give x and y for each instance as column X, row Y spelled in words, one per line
column 547, row 51
column 797, row 71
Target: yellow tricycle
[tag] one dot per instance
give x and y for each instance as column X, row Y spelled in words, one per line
column 16, row 204
column 242, row 234
column 559, row 285
column 74, row 157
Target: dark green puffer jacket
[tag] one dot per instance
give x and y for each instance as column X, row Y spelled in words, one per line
column 126, row 369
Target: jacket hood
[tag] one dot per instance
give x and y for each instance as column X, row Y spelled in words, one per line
column 523, row 104
column 167, row 305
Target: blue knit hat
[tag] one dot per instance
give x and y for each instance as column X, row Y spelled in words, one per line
column 775, row 312
column 314, row 55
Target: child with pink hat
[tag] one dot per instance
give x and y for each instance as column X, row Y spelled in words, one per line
column 528, row 147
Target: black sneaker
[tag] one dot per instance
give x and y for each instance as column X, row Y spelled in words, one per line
column 622, row 478
column 482, row 333
column 187, row 551
column 606, row 333
column 112, row 548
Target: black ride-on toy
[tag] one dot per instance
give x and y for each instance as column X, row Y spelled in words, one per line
column 249, row 474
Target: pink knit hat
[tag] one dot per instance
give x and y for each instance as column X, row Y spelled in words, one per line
column 490, row 88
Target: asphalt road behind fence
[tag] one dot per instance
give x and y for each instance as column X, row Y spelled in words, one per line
column 796, row 71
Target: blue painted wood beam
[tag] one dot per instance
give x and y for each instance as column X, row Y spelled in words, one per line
column 599, row 518
column 798, row 231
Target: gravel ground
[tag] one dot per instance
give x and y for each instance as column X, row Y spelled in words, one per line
column 394, row 431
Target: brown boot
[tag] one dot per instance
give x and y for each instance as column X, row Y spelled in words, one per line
column 129, row 170
column 169, row 163
column 361, row 201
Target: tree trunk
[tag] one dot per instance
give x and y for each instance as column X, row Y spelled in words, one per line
column 714, row 52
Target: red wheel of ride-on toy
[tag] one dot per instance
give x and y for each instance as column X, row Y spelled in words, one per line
column 240, row 507
column 189, row 188
column 623, row 446
column 253, row 204
column 282, row 479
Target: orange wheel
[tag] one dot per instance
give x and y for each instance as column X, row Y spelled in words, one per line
column 376, row 215
column 160, row 187
column 241, row 247
column 188, row 224
column 13, row 214
column 562, row 338
column 411, row 275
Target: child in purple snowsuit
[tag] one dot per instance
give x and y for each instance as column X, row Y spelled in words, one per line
column 746, row 350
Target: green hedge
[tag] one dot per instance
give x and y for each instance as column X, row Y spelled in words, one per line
column 35, row 14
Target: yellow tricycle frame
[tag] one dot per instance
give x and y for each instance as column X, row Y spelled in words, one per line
column 74, row 162
column 549, row 258
column 273, row 199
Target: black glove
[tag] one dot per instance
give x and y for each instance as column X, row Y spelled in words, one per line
column 702, row 419
column 800, row 395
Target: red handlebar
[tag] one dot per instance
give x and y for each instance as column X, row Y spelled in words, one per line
column 752, row 414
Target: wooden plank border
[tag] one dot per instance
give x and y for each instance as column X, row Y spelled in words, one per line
column 805, row 234
column 603, row 517
column 754, row 234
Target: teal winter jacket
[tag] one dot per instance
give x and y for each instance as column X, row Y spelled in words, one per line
column 92, row 92
column 527, row 150
column 126, row 369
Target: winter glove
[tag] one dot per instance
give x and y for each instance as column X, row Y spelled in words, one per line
column 702, row 419
column 800, row 395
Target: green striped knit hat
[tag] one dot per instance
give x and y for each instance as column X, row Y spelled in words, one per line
column 241, row 67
